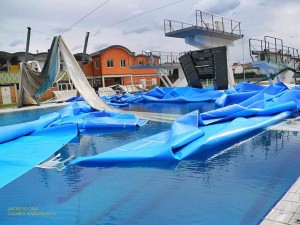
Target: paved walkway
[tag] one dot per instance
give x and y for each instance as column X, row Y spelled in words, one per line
column 33, row 107
column 287, row 210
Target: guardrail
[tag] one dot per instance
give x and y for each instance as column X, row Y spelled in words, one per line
column 206, row 21
column 160, row 58
column 272, row 46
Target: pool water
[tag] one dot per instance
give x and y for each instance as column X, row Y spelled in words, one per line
column 237, row 185
column 25, row 115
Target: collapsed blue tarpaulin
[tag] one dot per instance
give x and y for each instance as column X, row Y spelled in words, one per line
column 11, row 132
column 238, row 93
column 184, row 140
column 75, row 99
column 244, row 91
column 22, row 154
column 189, row 135
column 27, row 144
column 171, row 95
column 79, row 113
column 85, row 117
column 274, row 99
column 119, row 101
column 102, row 119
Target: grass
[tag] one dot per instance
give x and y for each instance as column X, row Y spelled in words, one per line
column 4, row 106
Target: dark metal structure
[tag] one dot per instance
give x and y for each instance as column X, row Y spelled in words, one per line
column 206, row 64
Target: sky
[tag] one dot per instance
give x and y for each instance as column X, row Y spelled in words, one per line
column 139, row 25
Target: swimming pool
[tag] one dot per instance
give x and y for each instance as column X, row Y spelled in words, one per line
column 26, row 115
column 237, row 185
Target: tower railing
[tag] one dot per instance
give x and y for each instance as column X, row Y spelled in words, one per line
column 206, row 21
column 217, row 23
column 272, row 49
column 172, row 25
column 160, row 58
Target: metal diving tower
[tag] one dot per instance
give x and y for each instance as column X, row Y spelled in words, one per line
column 212, row 34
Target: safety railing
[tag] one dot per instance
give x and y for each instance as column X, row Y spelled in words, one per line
column 172, row 25
column 160, row 58
column 272, row 48
column 217, row 23
column 206, row 21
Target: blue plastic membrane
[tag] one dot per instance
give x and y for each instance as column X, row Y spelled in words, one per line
column 197, row 132
column 183, row 141
column 189, row 135
column 25, row 145
column 235, row 186
column 19, row 156
column 11, row 132
column 169, row 95
column 79, row 113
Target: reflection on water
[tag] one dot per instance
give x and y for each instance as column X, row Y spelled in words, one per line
column 237, row 185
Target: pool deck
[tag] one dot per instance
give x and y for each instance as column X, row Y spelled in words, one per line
column 287, row 210
column 33, row 107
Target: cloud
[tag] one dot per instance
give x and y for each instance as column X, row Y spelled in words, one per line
column 120, row 24
column 15, row 43
column 138, row 30
column 60, row 30
column 262, row 4
column 77, row 47
column 101, row 46
column 218, row 7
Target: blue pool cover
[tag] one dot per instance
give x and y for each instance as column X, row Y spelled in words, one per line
column 25, row 145
column 79, row 113
column 169, row 95
column 246, row 108
column 197, row 132
column 19, row 156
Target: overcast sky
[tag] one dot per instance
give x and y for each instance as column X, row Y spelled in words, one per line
column 143, row 23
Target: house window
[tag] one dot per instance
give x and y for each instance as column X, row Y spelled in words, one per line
column 110, row 63
column 154, row 81
column 141, row 63
column 122, row 63
column 97, row 64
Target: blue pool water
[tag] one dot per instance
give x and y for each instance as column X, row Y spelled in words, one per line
column 237, row 185
column 26, row 115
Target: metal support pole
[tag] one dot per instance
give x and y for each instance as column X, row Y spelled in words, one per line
column 21, row 89
column 83, row 55
column 84, row 48
column 27, row 44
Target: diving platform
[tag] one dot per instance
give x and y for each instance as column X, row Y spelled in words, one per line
column 212, row 34
column 271, row 53
column 272, row 49
column 209, row 31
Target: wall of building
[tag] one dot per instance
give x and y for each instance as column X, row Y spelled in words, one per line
column 13, row 97
column 118, row 74
column 114, row 75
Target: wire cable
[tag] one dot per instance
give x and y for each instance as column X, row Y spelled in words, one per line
column 142, row 14
column 85, row 16
column 42, row 33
